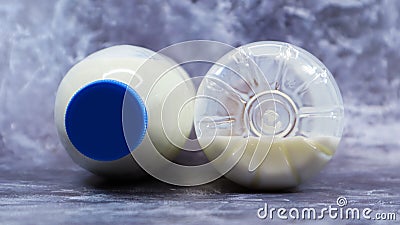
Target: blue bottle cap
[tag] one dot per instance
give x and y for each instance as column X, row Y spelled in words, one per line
column 94, row 120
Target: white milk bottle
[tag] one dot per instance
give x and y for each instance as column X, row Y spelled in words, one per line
column 109, row 101
column 271, row 113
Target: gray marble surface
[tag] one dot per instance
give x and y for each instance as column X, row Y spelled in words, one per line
column 58, row 196
column 358, row 40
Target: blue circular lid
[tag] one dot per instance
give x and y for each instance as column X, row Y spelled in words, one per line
column 94, row 120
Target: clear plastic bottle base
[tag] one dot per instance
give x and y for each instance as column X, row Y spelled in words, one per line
column 277, row 106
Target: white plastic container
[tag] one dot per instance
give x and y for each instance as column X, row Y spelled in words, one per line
column 271, row 112
column 107, row 103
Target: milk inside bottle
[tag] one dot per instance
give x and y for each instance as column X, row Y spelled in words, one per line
column 108, row 102
column 271, row 112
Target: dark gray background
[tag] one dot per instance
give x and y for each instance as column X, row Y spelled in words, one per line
column 359, row 41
